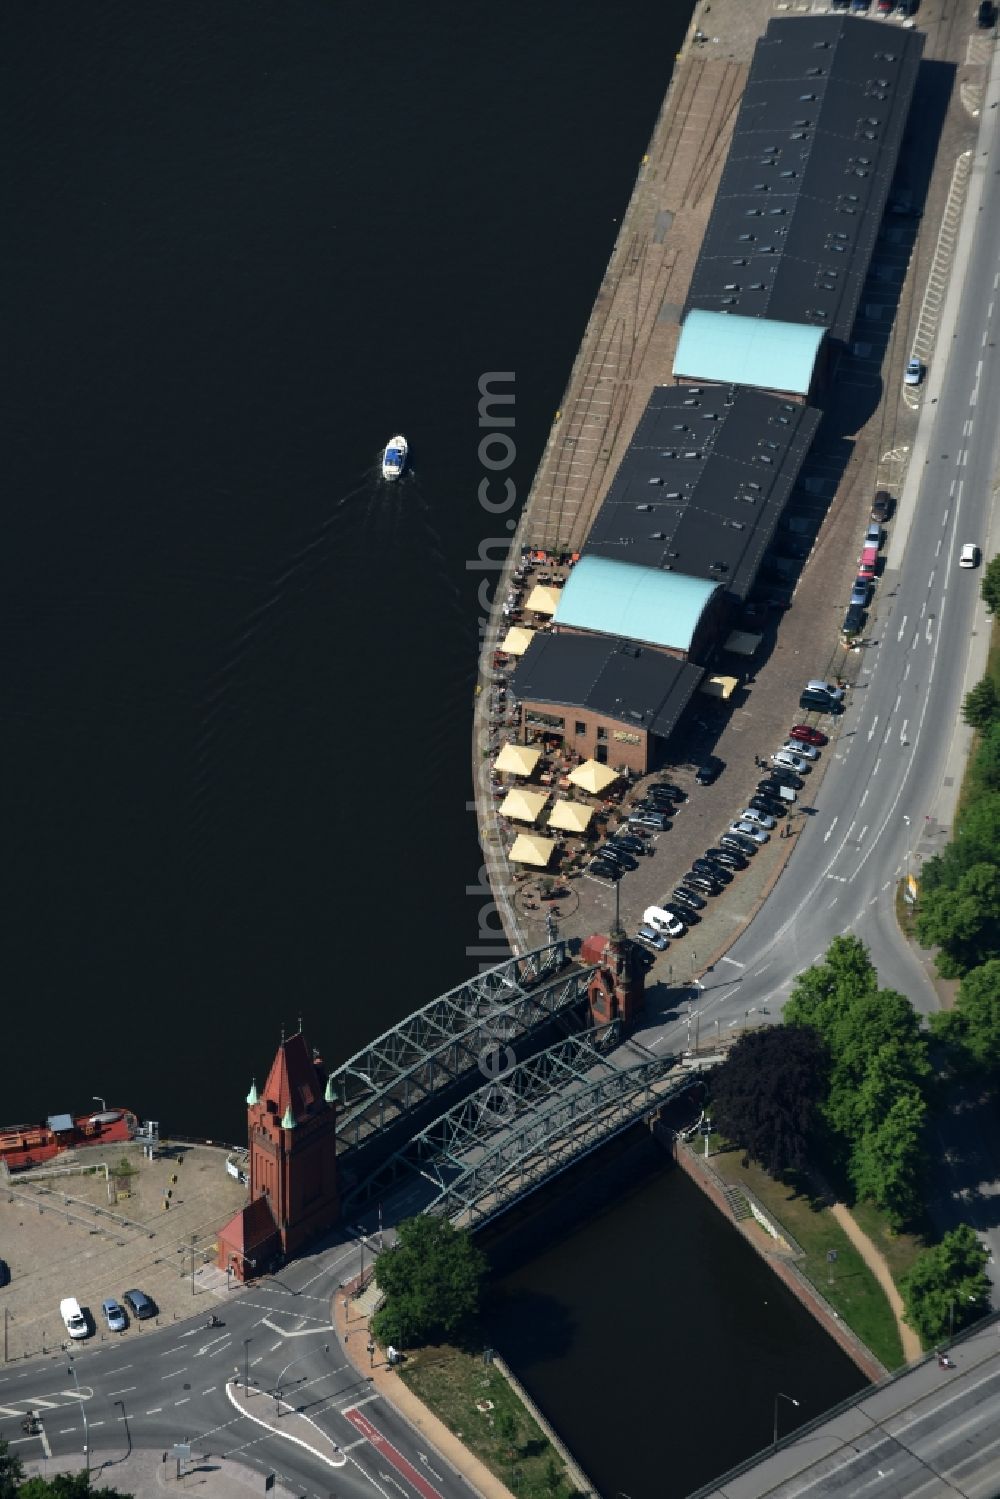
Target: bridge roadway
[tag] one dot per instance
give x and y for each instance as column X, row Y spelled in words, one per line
column 928, row 1432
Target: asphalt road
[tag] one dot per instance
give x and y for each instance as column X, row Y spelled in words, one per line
column 895, row 759
column 152, row 1389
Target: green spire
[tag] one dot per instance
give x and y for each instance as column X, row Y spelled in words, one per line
column 288, row 1120
column 252, row 1097
column 330, row 1094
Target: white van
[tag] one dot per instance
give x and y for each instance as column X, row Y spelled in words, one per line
column 76, row 1323
column 662, row 921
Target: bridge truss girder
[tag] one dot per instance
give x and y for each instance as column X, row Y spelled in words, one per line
column 451, row 1037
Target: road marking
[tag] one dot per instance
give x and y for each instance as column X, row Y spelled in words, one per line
column 902, row 628
column 63, row 1430
column 864, row 798
column 176, row 1402
column 850, row 830
column 937, row 549
column 927, row 633
column 833, row 902
column 734, row 961
column 861, row 835
column 351, row 1445
column 899, row 699
column 878, row 762
column 902, row 732
column 155, row 1411
column 287, row 1436
column 391, row 1454
column 173, row 1374
column 120, row 1370
column 274, row 1347
column 211, row 1389
column 97, row 1423
column 126, row 1391
column 871, row 731
column 255, row 1361
column 930, row 585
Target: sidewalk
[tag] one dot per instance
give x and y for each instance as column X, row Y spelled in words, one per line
column 145, row 1474
column 352, row 1331
column 912, row 1350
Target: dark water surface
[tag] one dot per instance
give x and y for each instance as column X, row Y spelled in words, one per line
column 244, row 243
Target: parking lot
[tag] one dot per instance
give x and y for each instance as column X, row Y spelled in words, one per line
column 72, row 1236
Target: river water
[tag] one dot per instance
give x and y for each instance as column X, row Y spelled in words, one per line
column 245, row 243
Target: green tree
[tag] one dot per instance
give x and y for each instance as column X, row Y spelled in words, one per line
column 553, row 1475
column 986, row 764
column 505, row 1427
column 990, row 587
column 976, row 840
column 819, row 995
column 765, row 1096
column 978, row 1011
column 432, row 1278
column 947, row 1286
column 962, row 919
column 11, row 1471
column 65, row 1486
column 981, row 704
column 887, row 1161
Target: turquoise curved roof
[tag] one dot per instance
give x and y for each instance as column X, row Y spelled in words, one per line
column 637, row 603
column 730, row 350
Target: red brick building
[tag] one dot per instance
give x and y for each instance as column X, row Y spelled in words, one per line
column 292, row 1140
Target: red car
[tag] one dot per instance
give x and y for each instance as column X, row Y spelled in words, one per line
column 805, row 735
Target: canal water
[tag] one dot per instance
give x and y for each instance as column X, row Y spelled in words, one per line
column 244, row 244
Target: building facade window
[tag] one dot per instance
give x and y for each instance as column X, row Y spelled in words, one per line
column 581, row 729
column 602, row 733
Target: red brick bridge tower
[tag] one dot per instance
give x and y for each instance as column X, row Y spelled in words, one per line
column 292, row 1139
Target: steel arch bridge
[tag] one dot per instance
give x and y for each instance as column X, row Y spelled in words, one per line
column 520, row 1131
column 457, row 1036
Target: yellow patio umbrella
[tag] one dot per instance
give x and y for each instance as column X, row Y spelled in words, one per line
column 572, row 817
column 543, row 600
column 517, row 759
column 529, row 848
column 593, row 777
column 517, row 640
column 523, row 805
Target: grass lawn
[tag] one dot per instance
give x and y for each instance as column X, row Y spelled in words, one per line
column 847, row 1283
column 453, row 1384
column 900, row 1250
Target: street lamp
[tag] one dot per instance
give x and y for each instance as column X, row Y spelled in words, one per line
column 98, row 1099
column 128, row 1434
column 779, row 1396
column 83, row 1413
column 277, row 1387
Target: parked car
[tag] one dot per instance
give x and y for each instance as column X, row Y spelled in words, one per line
column 859, row 593
column 816, row 684
column 654, row 820
column 796, row 747
column 713, row 870
column 884, row 6
column 738, row 841
column 702, row 883
column 882, row 505
column 4, row 1273
column 663, row 921
column 787, row 761
column 655, row 939
column 749, row 830
column 75, row 1320
column 667, row 788
column 114, row 1316
column 853, row 622
column 140, row 1305
column 986, row 14
column 771, row 807
column 969, row 555
column 914, row 372
column 874, row 535
column 807, row 734
column 762, row 819
column 709, row 771
column 619, row 856
column 630, row 844
column 689, row 897
column 684, row 914
column 785, row 776
column 605, row 870
column 726, row 856
column 868, row 563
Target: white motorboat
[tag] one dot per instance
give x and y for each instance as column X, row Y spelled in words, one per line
column 394, row 458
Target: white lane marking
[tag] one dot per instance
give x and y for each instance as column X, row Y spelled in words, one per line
column 871, row 731
column 830, row 829
column 902, row 732
column 916, row 638
column 173, row 1374
column 211, row 1389
column 864, row 798
column 930, row 582
column 127, row 1390
column 899, row 699
column 255, row 1361
column 176, row 1402
column 878, row 762
column 927, row 633
column 155, row 1411
column 289, row 1438
column 120, row 1370
column 861, row 835
column 902, row 627
column 906, row 673
column 937, row 549
column 97, row 1423
column 850, row 830
column 735, row 962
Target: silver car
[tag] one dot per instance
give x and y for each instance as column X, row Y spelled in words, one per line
column 796, row 747
column 749, row 830
column 790, row 761
column 752, row 814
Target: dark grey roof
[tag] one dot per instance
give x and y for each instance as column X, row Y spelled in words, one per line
column 804, row 185
column 704, row 481
column 642, row 687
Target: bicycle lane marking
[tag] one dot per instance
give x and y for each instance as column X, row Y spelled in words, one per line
column 392, row 1454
